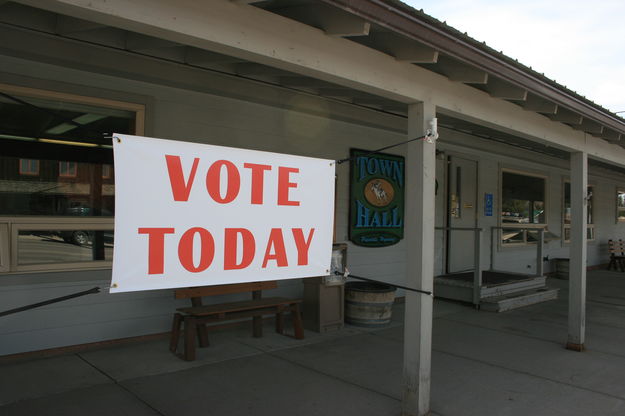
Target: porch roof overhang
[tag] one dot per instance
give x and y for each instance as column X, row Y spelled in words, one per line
column 415, row 51
column 503, row 77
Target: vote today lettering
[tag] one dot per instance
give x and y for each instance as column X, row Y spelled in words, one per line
column 236, row 256
column 190, row 214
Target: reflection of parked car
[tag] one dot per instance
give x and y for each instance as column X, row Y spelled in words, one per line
column 84, row 237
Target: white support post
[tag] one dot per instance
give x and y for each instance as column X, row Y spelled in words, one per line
column 419, row 236
column 577, row 262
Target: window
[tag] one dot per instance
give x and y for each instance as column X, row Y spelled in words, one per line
column 68, row 169
column 566, row 215
column 57, row 190
column 29, row 167
column 523, row 209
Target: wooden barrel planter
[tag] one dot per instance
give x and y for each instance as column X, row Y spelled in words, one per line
column 368, row 304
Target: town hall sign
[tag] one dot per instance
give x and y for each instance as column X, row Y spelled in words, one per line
column 376, row 199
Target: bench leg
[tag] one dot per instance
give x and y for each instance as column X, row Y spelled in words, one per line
column 202, row 335
column 280, row 321
column 175, row 333
column 297, row 322
column 189, row 338
column 257, row 326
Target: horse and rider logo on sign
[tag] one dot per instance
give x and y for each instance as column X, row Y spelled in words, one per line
column 376, row 199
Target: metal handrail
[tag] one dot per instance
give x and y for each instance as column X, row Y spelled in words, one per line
column 477, row 271
column 539, row 246
column 459, row 228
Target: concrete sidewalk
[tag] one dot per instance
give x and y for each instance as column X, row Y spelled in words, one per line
column 511, row 363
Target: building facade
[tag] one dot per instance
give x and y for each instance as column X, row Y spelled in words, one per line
column 521, row 162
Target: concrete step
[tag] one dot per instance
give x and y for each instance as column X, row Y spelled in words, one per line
column 513, row 287
column 518, row 300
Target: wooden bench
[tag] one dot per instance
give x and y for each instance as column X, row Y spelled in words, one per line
column 195, row 317
column 617, row 255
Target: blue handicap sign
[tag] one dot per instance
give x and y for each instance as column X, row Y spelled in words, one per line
column 488, row 205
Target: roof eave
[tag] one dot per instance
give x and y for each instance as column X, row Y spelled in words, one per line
column 387, row 13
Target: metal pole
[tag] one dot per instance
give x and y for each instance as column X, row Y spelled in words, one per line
column 50, row 301
column 492, row 247
column 539, row 252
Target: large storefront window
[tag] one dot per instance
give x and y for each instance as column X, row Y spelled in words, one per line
column 566, row 215
column 523, row 210
column 57, row 190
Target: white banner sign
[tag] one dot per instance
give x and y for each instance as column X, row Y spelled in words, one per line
column 190, row 214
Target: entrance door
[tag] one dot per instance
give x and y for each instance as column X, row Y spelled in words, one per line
column 462, row 212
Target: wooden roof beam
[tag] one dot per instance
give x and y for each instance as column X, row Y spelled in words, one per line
column 403, row 49
column 156, row 47
column 333, row 21
column 245, row 1
column 253, row 69
column 459, row 72
column 66, row 25
column 611, row 135
column 295, row 81
column 337, row 92
column 38, row 19
column 199, row 57
column 566, row 116
column 589, row 126
column 539, row 105
column 138, row 42
column 498, row 88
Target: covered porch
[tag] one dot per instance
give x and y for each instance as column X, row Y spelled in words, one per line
column 315, row 78
column 511, row 362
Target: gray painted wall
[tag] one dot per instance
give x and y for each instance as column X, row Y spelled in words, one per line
column 181, row 115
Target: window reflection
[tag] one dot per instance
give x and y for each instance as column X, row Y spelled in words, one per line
column 56, row 159
column 522, row 205
column 61, row 188
column 522, row 199
column 56, row 162
column 71, row 246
